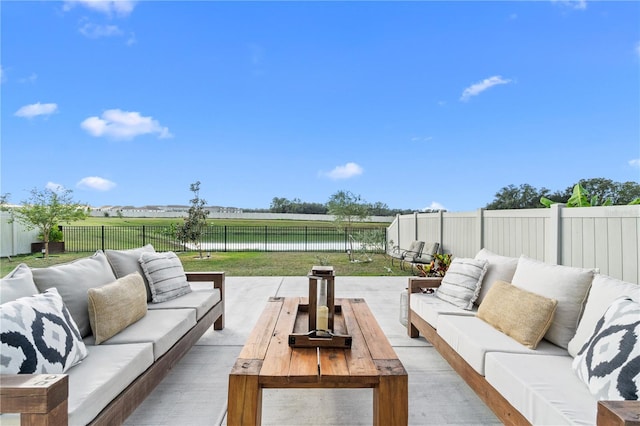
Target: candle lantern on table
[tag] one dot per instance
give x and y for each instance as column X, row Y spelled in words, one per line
column 321, row 311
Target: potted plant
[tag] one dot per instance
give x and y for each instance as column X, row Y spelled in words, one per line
column 56, row 242
column 437, row 268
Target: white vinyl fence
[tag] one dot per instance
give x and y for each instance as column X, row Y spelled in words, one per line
column 14, row 238
column 589, row 237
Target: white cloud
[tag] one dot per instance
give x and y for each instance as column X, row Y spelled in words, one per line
column 635, row 162
column 347, row 171
column 131, row 40
column 55, row 187
column 3, row 75
column 574, row 4
column 434, row 206
column 96, row 183
column 108, row 7
column 477, row 88
column 92, row 30
column 33, row 110
column 421, row 139
column 123, row 125
column 30, row 79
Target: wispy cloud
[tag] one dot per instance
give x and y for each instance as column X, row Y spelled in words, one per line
column 347, row 171
column 477, row 88
column 421, row 138
column 95, row 183
column 123, row 125
column 108, row 7
column 33, row 110
column 29, row 79
column 635, row 162
column 3, row 75
column 91, row 30
column 573, row 4
column 55, row 187
column 434, row 206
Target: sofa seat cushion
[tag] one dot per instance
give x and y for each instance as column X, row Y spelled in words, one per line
column 430, row 308
column 162, row 327
column 543, row 388
column 106, row 372
column 72, row 280
column 473, row 338
column 200, row 300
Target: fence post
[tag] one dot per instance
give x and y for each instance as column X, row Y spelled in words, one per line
column 225, row 238
column 555, row 235
column 265, row 237
column 102, row 236
column 306, row 237
column 480, row 229
column 441, row 230
column 415, row 225
column 144, row 236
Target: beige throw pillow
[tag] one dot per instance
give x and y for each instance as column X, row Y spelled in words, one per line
column 114, row 307
column 518, row 313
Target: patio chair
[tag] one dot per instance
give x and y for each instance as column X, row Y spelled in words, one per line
column 415, row 249
column 429, row 250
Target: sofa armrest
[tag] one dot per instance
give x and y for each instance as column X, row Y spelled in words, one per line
column 218, row 282
column 619, row 413
column 41, row 399
column 416, row 284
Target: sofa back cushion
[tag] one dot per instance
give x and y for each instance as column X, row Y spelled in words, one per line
column 125, row 262
column 461, row 284
column 72, row 280
column 38, row 336
column 115, row 306
column 566, row 284
column 518, row 313
column 604, row 290
column 18, row 283
column 499, row 268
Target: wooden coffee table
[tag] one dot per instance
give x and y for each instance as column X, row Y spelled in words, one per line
column 267, row 361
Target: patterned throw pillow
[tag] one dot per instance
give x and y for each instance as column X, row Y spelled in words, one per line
column 165, row 275
column 38, row 336
column 461, row 284
column 609, row 363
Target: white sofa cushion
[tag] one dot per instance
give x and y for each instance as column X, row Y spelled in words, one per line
column 544, row 389
column 109, row 370
column 473, row 338
column 609, row 363
column 461, row 283
column 125, row 262
column 162, row 327
column 499, row 268
column 604, row 290
column 430, row 308
column 200, row 300
column 18, row 283
column 72, row 280
column 568, row 285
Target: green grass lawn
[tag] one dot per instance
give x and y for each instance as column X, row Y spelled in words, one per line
column 243, row 264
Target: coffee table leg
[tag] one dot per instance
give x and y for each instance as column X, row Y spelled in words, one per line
column 244, row 406
column 391, row 398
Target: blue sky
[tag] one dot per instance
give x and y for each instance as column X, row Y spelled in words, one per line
column 413, row 104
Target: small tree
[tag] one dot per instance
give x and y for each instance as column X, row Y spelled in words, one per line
column 347, row 207
column 44, row 210
column 195, row 223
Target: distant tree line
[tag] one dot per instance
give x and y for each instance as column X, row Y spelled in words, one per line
column 526, row 196
column 285, row 205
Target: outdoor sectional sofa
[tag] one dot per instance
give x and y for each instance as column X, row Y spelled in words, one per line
column 118, row 321
column 496, row 344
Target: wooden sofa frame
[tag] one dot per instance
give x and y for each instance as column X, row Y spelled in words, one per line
column 616, row 413
column 42, row 399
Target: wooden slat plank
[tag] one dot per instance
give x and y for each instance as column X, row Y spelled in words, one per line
column 258, row 342
column 358, row 358
column 377, row 342
column 304, row 365
column 278, row 358
column 333, row 364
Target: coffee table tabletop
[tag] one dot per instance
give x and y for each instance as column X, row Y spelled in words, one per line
column 267, row 361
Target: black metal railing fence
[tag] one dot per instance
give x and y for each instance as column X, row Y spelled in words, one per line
column 227, row 238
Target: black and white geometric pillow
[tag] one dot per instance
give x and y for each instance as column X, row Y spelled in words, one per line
column 609, row 362
column 38, row 335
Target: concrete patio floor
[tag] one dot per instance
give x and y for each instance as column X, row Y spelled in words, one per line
column 195, row 392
